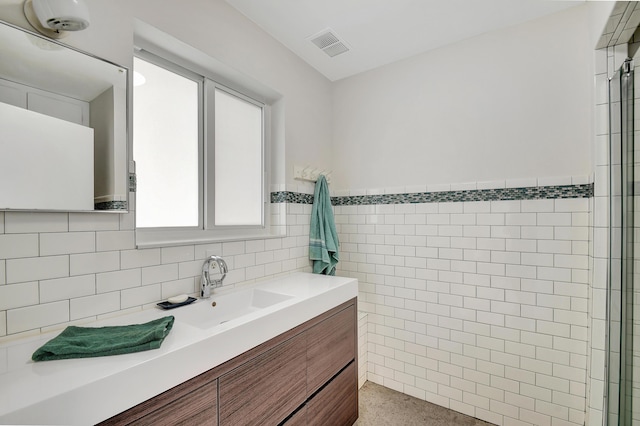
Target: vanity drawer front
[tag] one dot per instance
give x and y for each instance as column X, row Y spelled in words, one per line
column 191, row 403
column 298, row 419
column 331, row 346
column 266, row 389
column 195, row 409
column 337, row 403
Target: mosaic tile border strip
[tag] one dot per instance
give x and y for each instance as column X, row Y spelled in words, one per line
column 292, row 197
column 496, row 194
column 111, row 205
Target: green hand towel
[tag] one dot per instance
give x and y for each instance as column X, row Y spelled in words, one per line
column 85, row 342
column 323, row 237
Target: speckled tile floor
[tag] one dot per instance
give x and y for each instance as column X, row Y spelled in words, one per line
column 380, row 406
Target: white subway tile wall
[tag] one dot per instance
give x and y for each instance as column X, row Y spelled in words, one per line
column 476, row 306
column 61, row 268
column 481, row 307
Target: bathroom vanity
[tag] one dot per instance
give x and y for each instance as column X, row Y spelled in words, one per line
column 306, row 375
column 289, row 360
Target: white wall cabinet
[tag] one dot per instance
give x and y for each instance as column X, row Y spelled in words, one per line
column 45, row 163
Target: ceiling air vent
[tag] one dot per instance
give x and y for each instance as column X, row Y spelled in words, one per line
column 329, row 42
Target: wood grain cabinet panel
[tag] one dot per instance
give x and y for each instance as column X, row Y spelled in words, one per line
column 337, row 403
column 199, row 408
column 194, row 402
column 331, row 346
column 266, row 389
column 298, row 419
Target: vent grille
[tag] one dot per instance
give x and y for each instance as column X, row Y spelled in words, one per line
column 324, row 40
column 329, row 43
column 336, row 49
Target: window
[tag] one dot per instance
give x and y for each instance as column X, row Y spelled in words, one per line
column 166, row 138
column 199, row 149
column 238, row 160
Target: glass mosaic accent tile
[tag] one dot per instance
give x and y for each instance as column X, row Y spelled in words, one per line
column 111, row 205
column 292, row 197
column 497, row 194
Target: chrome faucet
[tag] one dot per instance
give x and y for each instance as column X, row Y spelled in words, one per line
column 206, row 283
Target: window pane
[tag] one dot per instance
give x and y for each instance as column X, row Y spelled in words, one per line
column 165, row 147
column 238, row 161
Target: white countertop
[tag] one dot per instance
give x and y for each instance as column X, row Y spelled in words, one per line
column 87, row 391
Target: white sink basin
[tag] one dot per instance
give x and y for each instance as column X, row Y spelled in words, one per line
column 217, row 310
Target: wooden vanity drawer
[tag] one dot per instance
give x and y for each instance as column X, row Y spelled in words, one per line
column 266, row 389
column 191, row 403
column 331, row 346
column 197, row 408
column 337, row 403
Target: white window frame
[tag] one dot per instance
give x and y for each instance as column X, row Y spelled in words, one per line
column 207, row 231
column 210, row 87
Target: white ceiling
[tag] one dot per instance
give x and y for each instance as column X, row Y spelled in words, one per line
column 379, row 32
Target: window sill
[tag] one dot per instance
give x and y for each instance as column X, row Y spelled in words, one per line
column 164, row 238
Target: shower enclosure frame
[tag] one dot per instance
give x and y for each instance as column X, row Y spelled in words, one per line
column 619, row 337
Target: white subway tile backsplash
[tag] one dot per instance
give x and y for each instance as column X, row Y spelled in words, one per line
column 202, row 251
column 93, row 222
column 139, row 296
column 554, row 246
column 67, row 243
column 127, row 221
column 521, row 182
column 139, row 258
column 67, row 288
column 90, row 306
column 118, row 280
column 18, row 245
column 537, row 259
column 254, row 246
column 244, row 260
column 177, row 254
column 159, row 274
column 115, row 240
column 176, row 287
column 554, row 274
column 506, row 206
column 36, row 268
column 537, row 232
column 30, row 222
column 33, row 317
column 18, row 295
column 105, row 245
column 438, row 187
column 91, row 263
column 576, row 233
column 233, row 248
column 194, row 268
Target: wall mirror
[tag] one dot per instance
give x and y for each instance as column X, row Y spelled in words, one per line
column 63, row 127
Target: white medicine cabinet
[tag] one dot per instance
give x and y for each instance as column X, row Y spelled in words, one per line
column 63, row 127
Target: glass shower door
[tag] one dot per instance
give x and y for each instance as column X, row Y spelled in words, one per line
column 620, row 307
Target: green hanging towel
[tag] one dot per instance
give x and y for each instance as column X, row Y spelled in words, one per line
column 85, row 342
column 323, row 237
